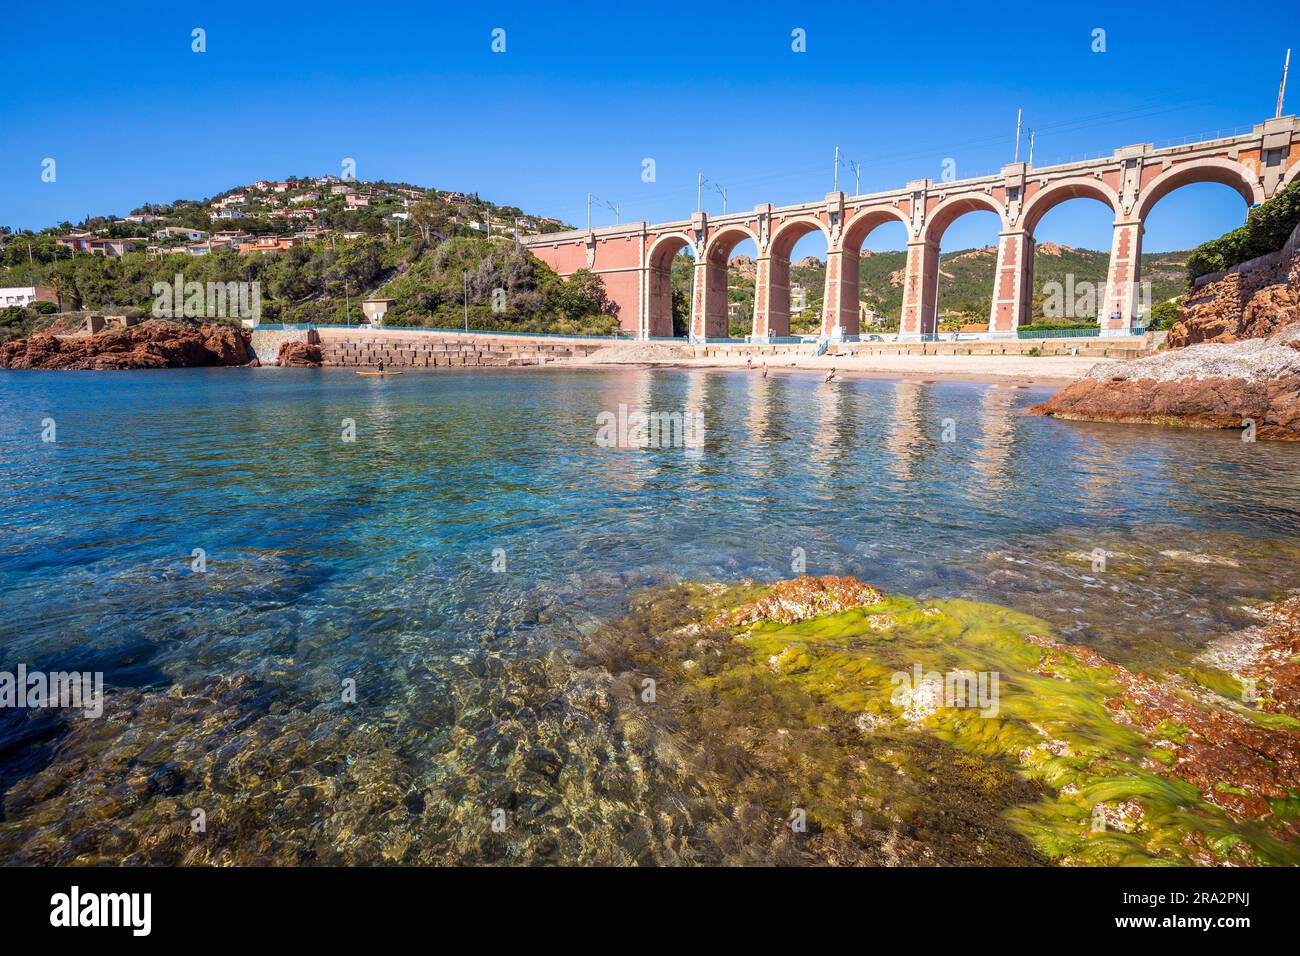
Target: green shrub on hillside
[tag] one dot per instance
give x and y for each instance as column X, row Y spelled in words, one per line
column 304, row 273
column 501, row 288
column 324, row 283
column 1266, row 230
column 1164, row 314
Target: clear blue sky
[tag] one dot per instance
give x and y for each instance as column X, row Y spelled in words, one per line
column 586, row 91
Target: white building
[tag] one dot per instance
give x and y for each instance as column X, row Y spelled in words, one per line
column 798, row 298
column 174, row 232
column 26, row 295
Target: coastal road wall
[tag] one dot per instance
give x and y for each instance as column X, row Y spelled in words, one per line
column 424, row 349
column 353, row 347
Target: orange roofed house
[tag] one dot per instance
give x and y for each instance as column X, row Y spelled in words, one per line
column 269, row 244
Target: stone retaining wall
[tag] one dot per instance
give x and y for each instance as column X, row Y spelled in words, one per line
column 1267, row 262
column 354, row 347
column 431, row 350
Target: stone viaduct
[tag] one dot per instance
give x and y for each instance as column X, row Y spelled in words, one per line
column 634, row 258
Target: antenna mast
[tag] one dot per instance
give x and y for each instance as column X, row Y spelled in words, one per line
column 1281, row 92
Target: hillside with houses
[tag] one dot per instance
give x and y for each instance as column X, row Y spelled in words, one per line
column 271, row 216
column 316, row 245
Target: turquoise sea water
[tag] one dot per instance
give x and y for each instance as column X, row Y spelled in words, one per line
column 474, row 523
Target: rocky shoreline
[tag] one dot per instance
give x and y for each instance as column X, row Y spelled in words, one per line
column 1231, row 361
column 1253, row 384
column 153, row 344
column 299, row 355
column 1078, row 760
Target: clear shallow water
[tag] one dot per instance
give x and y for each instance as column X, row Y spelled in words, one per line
column 374, row 559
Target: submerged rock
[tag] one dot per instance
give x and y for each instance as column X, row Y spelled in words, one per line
column 1265, row 658
column 1086, row 761
column 813, row 721
column 803, row 598
column 1234, row 761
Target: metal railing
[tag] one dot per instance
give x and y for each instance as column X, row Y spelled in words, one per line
column 398, row 329
column 1091, row 332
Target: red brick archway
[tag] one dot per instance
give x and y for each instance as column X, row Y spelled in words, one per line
column 856, row 232
column 709, row 315
column 659, row 292
column 774, row 276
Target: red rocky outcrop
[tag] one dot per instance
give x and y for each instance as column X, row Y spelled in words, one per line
column 802, row 598
column 1234, row 762
column 1233, row 357
column 298, row 355
column 1241, row 305
column 1273, row 405
column 153, row 344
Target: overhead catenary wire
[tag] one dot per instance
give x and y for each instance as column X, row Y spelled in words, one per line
column 803, row 172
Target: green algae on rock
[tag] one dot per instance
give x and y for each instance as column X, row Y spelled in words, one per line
column 1122, row 768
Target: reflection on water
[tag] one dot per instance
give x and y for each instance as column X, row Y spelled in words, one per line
column 373, row 560
column 997, row 434
column 903, row 433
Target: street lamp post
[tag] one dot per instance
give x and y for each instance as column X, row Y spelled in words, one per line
column 464, row 274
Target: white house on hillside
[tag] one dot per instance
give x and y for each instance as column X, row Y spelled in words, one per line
column 26, row 295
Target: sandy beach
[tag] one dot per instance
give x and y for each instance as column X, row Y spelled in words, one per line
column 1013, row 369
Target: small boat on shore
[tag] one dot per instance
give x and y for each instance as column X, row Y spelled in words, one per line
column 379, row 373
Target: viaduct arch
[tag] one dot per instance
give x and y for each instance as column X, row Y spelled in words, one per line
column 634, row 259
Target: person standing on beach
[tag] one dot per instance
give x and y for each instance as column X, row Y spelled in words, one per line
column 830, row 376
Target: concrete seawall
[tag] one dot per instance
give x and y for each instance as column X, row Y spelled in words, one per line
column 415, row 349
column 266, row 343
column 352, row 347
